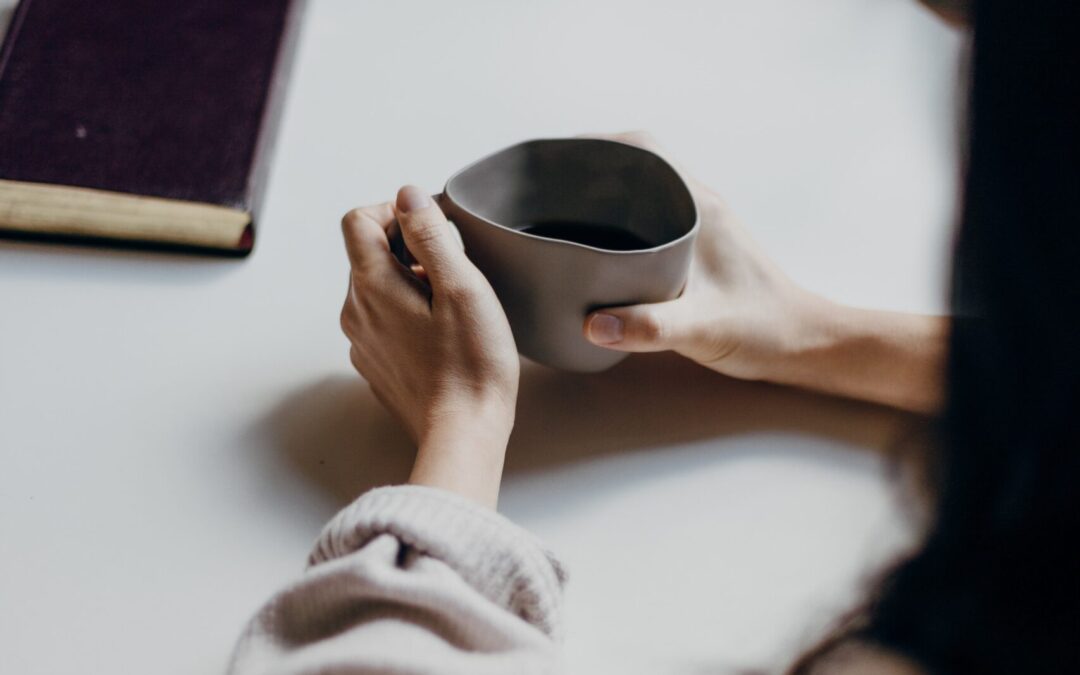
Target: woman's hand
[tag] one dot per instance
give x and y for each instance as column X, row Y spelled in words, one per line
column 742, row 316
column 433, row 343
column 738, row 313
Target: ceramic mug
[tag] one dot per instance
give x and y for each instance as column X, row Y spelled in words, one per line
column 547, row 286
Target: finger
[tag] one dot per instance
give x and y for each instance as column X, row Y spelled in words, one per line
column 374, row 266
column 357, row 361
column 430, row 238
column 382, row 213
column 637, row 328
column 364, row 230
column 349, row 316
column 418, row 272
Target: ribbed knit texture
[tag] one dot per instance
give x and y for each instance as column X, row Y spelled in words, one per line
column 505, row 563
column 410, row 579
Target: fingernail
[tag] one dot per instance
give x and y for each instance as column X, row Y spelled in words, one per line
column 412, row 198
column 605, row 329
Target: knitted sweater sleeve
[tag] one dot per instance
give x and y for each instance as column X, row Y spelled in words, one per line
column 410, row 579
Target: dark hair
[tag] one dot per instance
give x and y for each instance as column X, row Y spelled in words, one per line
column 995, row 587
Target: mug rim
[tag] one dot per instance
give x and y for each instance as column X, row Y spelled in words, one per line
column 689, row 234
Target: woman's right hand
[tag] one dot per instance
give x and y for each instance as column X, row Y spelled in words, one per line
column 739, row 313
column 742, row 316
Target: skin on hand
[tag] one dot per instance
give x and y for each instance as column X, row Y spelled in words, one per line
column 433, row 343
column 742, row 316
column 953, row 12
column 737, row 312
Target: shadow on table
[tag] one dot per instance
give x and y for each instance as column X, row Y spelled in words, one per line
column 36, row 258
column 338, row 436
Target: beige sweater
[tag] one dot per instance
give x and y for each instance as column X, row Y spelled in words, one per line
column 409, row 579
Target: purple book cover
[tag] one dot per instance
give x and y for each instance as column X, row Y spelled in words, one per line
column 155, row 98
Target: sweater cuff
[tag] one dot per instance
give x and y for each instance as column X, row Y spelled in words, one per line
column 505, row 563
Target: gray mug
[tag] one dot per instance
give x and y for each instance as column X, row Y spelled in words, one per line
column 547, row 286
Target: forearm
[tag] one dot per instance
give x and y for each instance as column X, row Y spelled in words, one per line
column 891, row 358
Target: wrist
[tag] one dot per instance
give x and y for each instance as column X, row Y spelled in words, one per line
column 884, row 357
column 820, row 330
column 464, row 448
column 481, row 426
column 813, row 325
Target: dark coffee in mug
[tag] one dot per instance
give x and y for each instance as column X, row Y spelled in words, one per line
column 597, row 235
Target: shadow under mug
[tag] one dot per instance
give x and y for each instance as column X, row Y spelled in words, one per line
column 547, row 286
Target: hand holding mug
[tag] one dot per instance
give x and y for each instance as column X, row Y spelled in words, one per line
column 739, row 314
column 434, row 344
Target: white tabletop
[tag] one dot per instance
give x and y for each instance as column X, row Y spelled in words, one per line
column 175, row 430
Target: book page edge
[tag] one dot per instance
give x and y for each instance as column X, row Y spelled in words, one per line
column 76, row 211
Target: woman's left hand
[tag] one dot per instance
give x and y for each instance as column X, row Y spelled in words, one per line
column 434, row 344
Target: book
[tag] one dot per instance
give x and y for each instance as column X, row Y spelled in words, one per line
column 142, row 122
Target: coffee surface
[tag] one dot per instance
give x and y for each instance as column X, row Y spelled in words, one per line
column 597, row 235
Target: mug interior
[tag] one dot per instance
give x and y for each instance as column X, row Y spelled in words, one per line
column 591, row 181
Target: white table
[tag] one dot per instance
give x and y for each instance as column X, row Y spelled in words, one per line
column 174, row 431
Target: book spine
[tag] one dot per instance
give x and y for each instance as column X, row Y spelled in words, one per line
column 12, row 34
column 272, row 114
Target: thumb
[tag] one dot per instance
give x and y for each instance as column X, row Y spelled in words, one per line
column 429, row 236
column 638, row 328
